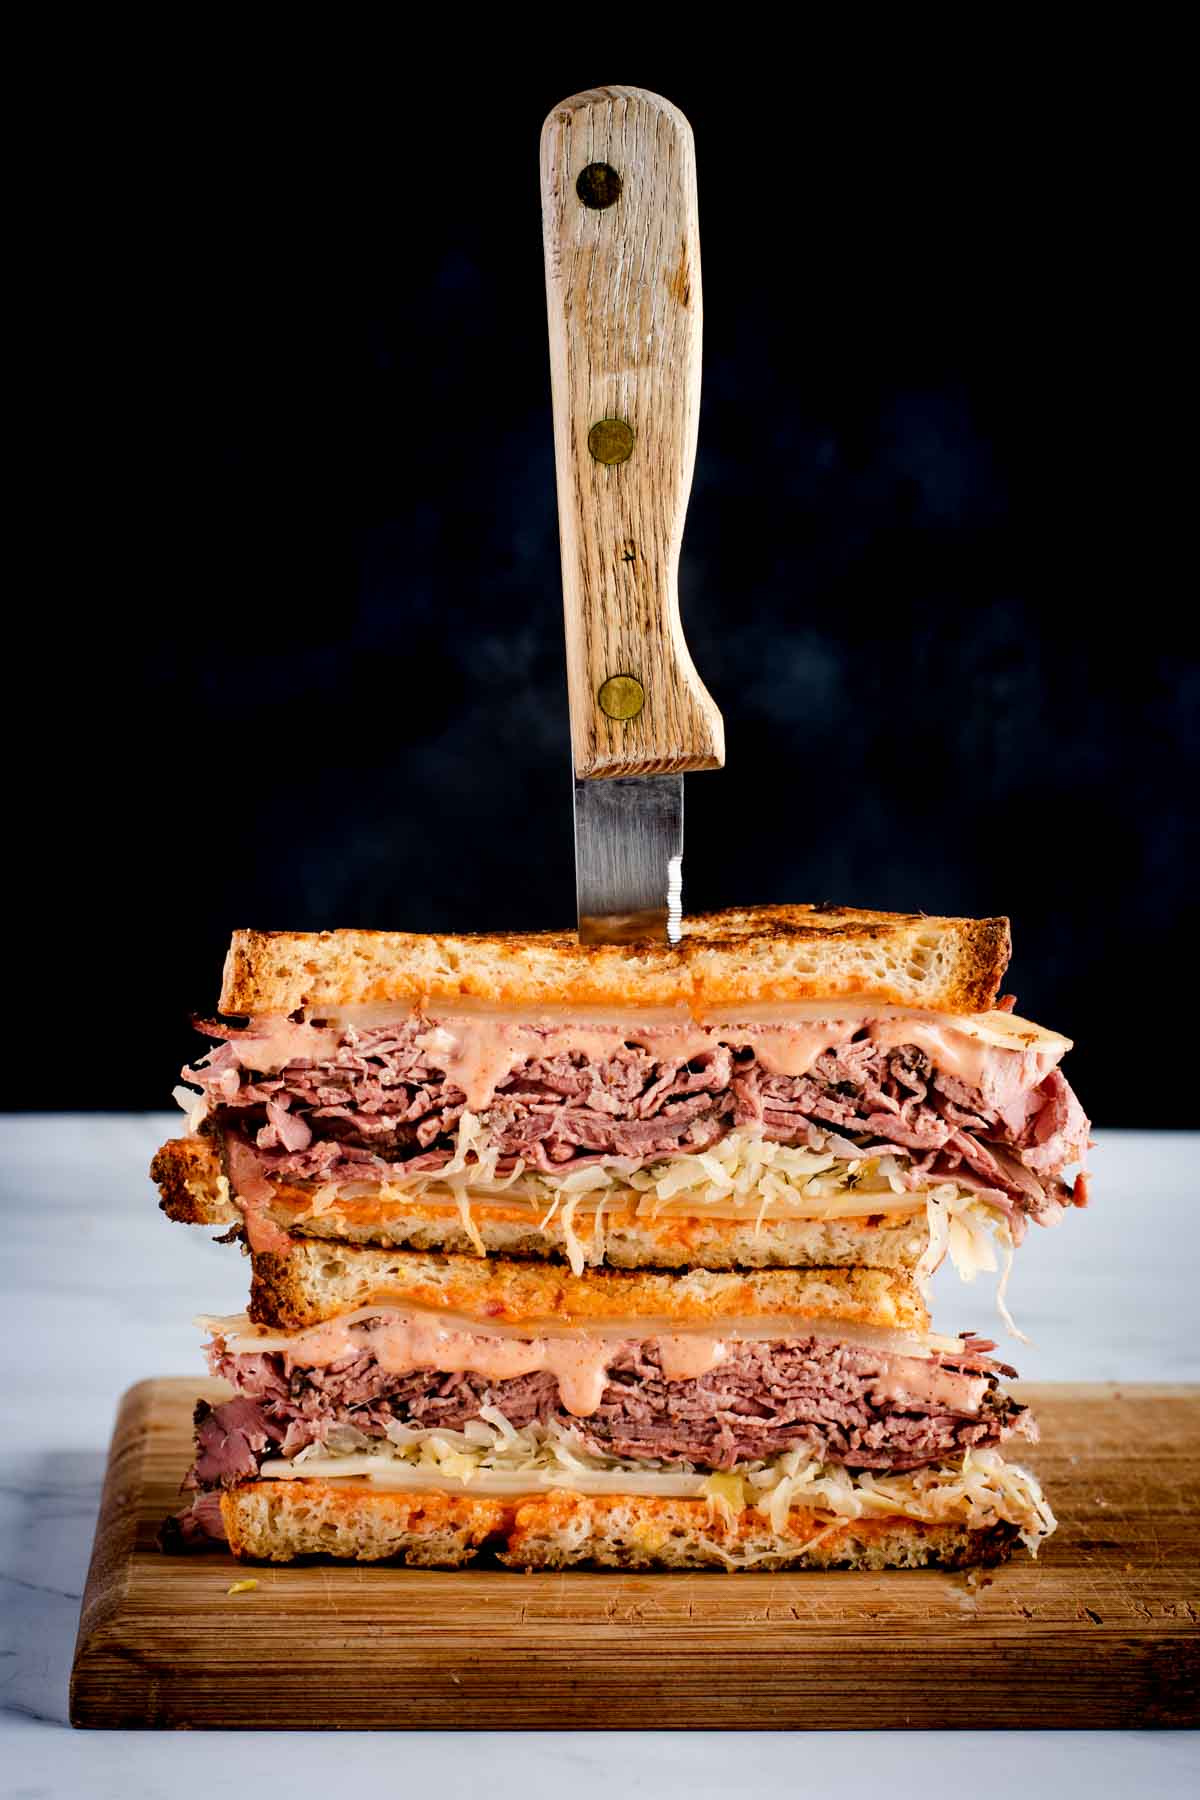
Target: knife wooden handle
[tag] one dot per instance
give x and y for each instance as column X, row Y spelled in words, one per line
column 623, row 294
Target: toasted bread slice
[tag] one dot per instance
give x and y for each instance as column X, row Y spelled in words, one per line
column 315, row 1282
column 195, row 1192
column 757, row 955
column 193, row 1187
column 278, row 1521
column 563, row 1530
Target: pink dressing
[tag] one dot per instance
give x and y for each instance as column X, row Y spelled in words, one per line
column 1000, row 1074
column 685, row 1356
column 481, row 1050
column 400, row 1344
column 911, row 1381
column 580, row 1361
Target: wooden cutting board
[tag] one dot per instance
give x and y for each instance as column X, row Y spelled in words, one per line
column 1104, row 1629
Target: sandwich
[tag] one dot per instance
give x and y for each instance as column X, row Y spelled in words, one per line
column 630, row 1418
column 616, row 1255
column 789, row 1085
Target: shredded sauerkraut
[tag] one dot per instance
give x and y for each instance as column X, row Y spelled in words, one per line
column 978, row 1490
column 744, row 1176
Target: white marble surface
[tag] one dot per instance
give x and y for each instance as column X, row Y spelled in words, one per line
column 97, row 1291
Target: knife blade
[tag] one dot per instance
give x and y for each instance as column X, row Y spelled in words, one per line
column 624, row 308
column 629, row 859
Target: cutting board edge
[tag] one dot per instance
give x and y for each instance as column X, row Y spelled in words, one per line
column 106, row 1588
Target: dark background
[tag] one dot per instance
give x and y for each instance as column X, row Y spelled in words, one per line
column 316, row 675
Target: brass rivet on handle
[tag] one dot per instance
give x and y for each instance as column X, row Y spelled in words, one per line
column 598, row 186
column 611, row 441
column 622, row 697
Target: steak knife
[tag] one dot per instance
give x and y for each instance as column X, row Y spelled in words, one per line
column 622, row 248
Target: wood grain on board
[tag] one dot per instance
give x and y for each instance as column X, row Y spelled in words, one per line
column 1103, row 1630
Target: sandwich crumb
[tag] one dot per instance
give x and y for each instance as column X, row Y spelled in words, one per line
column 242, row 1587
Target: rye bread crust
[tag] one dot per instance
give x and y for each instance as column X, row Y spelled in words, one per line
column 191, row 1182
column 756, row 955
column 316, row 1282
column 280, row 1521
column 189, row 1176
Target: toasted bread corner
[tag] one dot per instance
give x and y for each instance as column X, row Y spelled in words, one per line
column 278, row 1521
column 191, row 1182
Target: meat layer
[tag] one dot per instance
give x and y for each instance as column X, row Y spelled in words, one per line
column 837, row 1402
column 376, row 1100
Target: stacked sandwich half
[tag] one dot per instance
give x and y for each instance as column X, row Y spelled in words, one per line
column 617, row 1255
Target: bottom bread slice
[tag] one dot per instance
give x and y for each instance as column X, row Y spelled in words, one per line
column 278, row 1521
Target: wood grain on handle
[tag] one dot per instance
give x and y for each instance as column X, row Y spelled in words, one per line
column 623, row 294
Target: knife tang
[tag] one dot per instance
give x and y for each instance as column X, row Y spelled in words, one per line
column 623, row 295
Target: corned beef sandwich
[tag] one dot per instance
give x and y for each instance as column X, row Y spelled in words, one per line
column 788, row 1085
column 769, row 1419
column 614, row 1254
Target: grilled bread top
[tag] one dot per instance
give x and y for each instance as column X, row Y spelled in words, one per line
column 761, row 955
